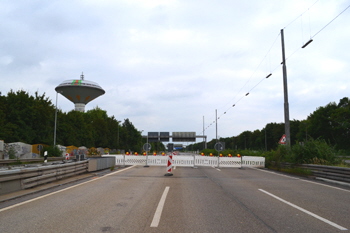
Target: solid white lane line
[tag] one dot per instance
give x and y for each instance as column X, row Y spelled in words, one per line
column 306, row 211
column 158, row 213
column 326, row 185
column 65, row 189
column 277, row 174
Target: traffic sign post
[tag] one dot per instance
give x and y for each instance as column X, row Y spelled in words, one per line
column 45, row 157
column 219, row 147
column 170, row 147
column 40, row 148
column 239, row 156
column 147, row 147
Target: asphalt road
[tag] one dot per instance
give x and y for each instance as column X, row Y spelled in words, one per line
column 203, row 199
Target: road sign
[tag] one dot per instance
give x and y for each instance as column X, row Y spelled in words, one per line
column 184, row 136
column 147, row 147
column 164, row 136
column 219, row 146
column 153, row 136
column 283, row 140
column 170, row 147
column 40, row 147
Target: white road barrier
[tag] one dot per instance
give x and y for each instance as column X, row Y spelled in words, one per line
column 191, row 161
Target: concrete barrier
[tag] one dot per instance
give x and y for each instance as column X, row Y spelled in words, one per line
column 19, row 178
column 27, row 177
column 96, row 164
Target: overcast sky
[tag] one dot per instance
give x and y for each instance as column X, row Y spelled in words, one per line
column 166, row 64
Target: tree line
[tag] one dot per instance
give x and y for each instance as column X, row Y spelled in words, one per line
column 330, row 123
column 31, row 119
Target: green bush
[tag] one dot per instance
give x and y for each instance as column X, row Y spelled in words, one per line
column 249, row 153
column 208, row 151
column 53, row 151
column 234, row 152
column 275, row 158
column 12, row 153
column 315, row 152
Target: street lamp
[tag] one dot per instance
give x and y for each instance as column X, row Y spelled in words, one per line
column 54, row 134
column 141, row 139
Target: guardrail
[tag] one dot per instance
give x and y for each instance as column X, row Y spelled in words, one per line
column 15, row 179
column 23, row 178
column 12, row 161
column 329, row 172
column 56, row 172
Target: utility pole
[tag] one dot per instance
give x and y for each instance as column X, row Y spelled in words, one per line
column 204, row 146
column 216, row 122
column 285, row 86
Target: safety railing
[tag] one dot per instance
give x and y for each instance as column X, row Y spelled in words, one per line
column 54, row 172
column 27, row 177
column 328, row 172
column 14, row 161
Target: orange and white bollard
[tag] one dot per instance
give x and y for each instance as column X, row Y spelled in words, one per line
column 169, row 166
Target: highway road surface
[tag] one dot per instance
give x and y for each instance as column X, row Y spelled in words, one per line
column 203, row 199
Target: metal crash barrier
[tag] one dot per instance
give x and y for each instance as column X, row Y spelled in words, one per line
column 26, row 177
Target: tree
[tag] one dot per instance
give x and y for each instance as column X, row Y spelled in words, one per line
column 341, row 124
column 30, row 119
column 43, row 113
column 97, row 119
column 320, row 123
column 131, row 138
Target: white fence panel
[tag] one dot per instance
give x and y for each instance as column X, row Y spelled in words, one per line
column 253, row 161
column 183, row 161
column 119, row 159
column 135, row 160
column 206, row 161
column 157, row 160
column 230, row 162
column 190, row 161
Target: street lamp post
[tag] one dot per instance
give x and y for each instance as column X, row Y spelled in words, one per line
column 141, row 140
column 118, row 136
column 54, row 134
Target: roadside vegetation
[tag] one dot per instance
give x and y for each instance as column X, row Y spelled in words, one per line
column 285, row 159
column 323, row 138
column 31, row 119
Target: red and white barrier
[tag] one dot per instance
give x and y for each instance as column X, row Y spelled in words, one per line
column 170, row 165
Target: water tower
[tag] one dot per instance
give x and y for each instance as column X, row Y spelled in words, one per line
column 80, row 91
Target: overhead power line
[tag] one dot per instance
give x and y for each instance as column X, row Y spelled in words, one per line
column 331, row 21
column 271, row 73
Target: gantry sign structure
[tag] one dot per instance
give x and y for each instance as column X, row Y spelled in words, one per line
column 175, row 137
